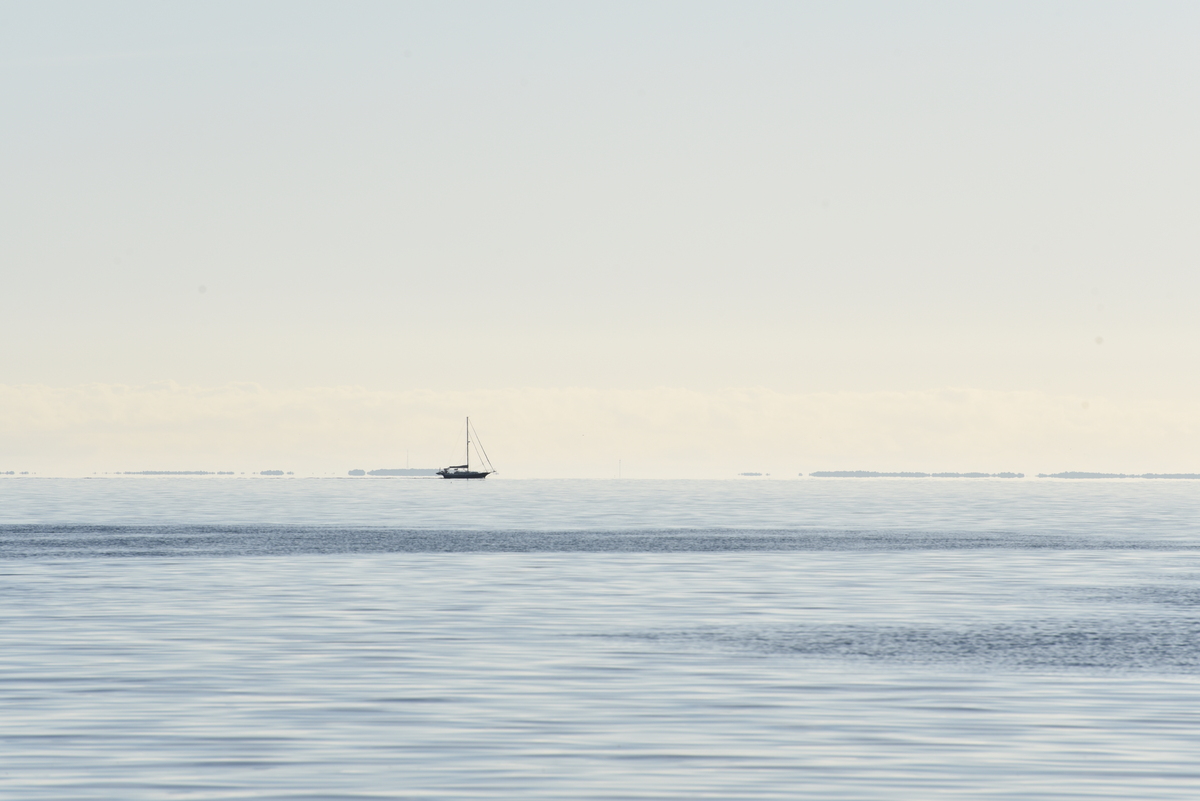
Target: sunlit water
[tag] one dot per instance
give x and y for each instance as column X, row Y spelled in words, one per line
column 336, row 639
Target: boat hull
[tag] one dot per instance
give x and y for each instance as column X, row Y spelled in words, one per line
column 462, row 474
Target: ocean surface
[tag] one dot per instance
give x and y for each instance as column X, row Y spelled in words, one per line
column 292, row 638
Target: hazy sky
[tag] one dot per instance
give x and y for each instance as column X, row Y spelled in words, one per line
column 442, row 205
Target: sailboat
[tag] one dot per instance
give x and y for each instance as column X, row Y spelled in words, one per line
column 464, row 470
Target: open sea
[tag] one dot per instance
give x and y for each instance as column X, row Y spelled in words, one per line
column 293, row 638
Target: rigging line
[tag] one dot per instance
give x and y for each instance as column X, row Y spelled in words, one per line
column 479, row 445
column 480, row 456
column 454, row 453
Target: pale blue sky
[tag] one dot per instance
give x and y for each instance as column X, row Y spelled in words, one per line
column 800, row 197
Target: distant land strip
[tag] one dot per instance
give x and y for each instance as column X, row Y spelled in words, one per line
column 196, row 473
column 1118, row 475
column 177, row 473
column 873, row 474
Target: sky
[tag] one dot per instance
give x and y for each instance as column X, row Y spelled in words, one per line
column 693, row 238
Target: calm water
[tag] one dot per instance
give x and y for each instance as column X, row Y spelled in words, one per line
column 335, row 639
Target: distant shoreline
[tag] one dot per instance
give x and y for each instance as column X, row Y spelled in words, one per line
column 873, row 474
column 431, row 473
column 1120, row 475
column 1066, row 475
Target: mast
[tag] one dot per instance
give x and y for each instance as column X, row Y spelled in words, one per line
column 468, row 443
